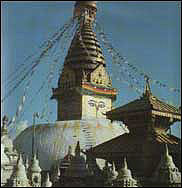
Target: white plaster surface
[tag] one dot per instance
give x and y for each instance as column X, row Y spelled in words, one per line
column 52, row 141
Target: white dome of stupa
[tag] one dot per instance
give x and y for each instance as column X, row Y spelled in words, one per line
column 52, row 140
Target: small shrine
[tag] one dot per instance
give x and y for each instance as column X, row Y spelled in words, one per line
column 166, row 173
column 124, row 178
column 148, row 120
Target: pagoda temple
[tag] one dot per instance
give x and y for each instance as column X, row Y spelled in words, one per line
column 148, row 120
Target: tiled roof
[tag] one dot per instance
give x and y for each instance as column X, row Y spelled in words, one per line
column 131, row 144
column 146, row 103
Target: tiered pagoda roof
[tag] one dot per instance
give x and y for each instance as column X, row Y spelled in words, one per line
column 146, row 103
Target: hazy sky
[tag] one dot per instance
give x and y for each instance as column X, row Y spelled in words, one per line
column 147, row 33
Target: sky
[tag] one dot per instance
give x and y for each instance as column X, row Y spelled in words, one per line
column 147, row 33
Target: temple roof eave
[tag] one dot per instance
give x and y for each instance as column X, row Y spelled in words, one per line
column 132, row 145
column 119, row 115
column 151, row 105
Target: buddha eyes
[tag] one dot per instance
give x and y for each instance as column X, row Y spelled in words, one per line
column 93, row 103
column 101, row 104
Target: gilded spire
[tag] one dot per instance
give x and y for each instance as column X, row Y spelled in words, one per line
column 86, row 3
column 87, row 9
column 85, row 51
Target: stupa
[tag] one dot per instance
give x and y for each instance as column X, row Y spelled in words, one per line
column 84, row 94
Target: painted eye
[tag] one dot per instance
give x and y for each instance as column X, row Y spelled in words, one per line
column 101, row 104
column 91, row 103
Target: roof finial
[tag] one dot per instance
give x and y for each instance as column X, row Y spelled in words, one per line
column 86, row 10
column 147, row 91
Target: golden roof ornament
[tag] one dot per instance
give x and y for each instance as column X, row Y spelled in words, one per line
column 86, row 3
column 147, row 91
column 87, row 9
